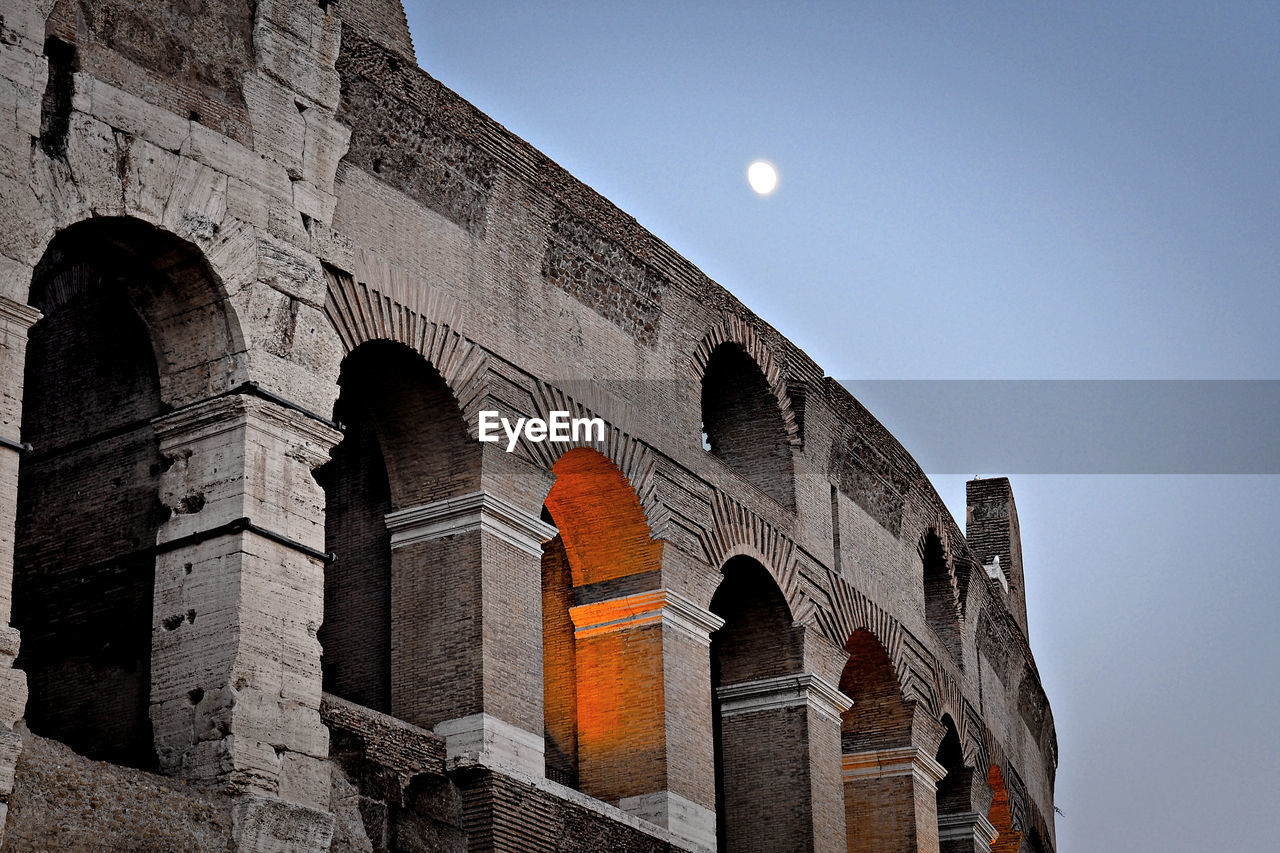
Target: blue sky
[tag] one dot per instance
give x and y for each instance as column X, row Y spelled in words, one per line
column 985, row 191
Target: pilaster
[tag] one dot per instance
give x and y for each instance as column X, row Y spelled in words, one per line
column 644, row 708
column 890, row 800
column 16, row 319
column 965, row 832
column 783, row 727
column 235, row 683
column 466, row 638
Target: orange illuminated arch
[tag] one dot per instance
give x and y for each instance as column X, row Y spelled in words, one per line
column 1001, row 814
column 591, row 685
column 600, row 519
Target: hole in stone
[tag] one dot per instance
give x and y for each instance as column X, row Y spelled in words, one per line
column 193, row 116
column 302, row 108
column 192, row 503
column 194, row 696
column 191, row 616
column 377, row 165
column 186, row 568
column 171, row 623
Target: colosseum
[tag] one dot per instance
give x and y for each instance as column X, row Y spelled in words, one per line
column 264, row 587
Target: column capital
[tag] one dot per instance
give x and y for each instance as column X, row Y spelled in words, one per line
column 229, row 411
column 783, row 691
column 465, row 513
column 655, row 606
column 18, row 314
column 899, row 761
column 967, row 826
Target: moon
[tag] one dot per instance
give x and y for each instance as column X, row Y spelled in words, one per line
column 762, row 177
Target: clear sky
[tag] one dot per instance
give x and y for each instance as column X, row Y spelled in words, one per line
column 985, row 191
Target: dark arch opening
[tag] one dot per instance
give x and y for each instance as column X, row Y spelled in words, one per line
column 951, row 757
column 758, row 640
column 743, row 425
column 941, row 608
column 119, row 300
column 404, row 444
column 877, row 809
column 879, row 717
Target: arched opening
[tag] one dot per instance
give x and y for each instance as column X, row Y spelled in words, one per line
column 593, row 682
column 743, row 425
column 879, row 762
column 755, row 739
column 131, row 326
column 1001, row 814
column 951, row 794
column 405, row 445
column 941, row 607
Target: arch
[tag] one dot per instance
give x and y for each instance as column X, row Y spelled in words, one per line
column 194, row 332
column 735, row 330
column 601, row 522
column 134, row 324
column 737, row 531
column 602, row 554
column 941, row 602
column 381, row 303
column 880, row 717
column 743, row 423
column 405, row 446
column 754, row 743
column 881, row 768
column 1001, row 814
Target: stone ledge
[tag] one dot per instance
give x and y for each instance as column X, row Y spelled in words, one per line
column 389, row 741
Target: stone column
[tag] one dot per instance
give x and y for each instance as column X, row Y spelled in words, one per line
column 466, row 628
column 16, row 319
column 779, row 737
column 235, row 683
column 891, row 800
column 644, row 709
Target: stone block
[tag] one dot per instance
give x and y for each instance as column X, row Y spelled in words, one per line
column 197, row 201
column 10, row 749
column 127, row 112
column 267, row 825
column 231, row 158
column 150, row 182
column 96, row 157
column 13, row 696
column 305, row 780
column 294, row 63
column 279, row 129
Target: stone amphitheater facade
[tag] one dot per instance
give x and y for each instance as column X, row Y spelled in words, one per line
column 262, row 587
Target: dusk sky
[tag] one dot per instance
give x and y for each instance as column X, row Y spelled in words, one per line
column 986, row 191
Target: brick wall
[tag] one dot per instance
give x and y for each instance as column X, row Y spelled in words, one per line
column 356, row 635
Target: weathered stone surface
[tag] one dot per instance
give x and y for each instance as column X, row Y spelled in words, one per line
column 62, row 801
